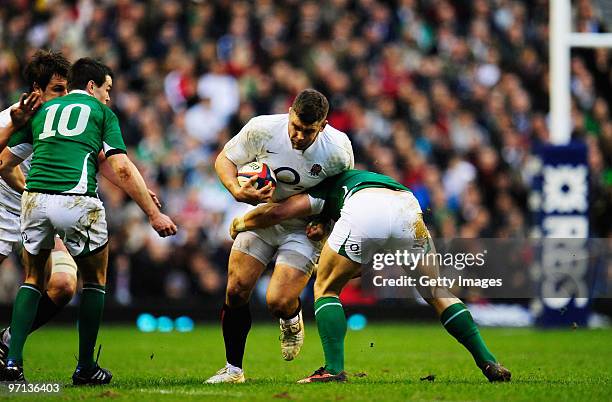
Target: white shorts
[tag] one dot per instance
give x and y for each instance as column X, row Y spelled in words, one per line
column 80, row 221
column 290, row 244
column 10, row 232
column 374, row 219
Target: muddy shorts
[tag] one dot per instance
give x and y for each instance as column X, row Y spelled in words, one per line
column 80, row 221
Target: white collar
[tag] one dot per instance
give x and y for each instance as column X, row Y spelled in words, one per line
column 79, row 91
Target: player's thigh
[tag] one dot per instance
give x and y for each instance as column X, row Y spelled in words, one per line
column 286, row 285
column 242, row 275
column 295, row 262
column 48, row 267
column 35, row 267
column 248, row 259
column 333, row 273
column 297, row 251
column 93, row 266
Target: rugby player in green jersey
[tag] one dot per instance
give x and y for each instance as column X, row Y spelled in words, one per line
column 46, row 74
column 367, row 207
column 66, row 135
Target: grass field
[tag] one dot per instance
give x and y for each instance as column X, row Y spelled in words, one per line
column 385, row 363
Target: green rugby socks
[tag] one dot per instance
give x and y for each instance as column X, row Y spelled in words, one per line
column 24, row 312
column 459, row 323
column 90, row 316
column 331, row 323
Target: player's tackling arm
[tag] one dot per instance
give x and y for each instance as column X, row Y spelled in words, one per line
column 297, row 206
column 5, row 135
column 10, row 171
column 130, row 180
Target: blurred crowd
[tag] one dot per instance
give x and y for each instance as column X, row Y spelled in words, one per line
column 448, row 97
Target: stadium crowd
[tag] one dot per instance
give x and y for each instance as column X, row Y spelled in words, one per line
column 449, row 97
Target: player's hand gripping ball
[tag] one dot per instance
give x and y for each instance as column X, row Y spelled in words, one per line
column 263, row 172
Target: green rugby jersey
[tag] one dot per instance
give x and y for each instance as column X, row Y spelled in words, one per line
column 336, row 189
column 66, row 136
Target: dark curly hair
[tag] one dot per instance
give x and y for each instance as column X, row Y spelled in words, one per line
column 43, row 66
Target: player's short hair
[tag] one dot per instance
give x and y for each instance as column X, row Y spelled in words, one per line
column 87, row 69
column 310, row 106
column 43, row 66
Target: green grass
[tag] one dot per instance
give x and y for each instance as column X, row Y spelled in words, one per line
column 385, row 362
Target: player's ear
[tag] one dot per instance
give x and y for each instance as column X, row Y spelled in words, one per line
column 37, row 88
column 90, row 87
column 323, row 125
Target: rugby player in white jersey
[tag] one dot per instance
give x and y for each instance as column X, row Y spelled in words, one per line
column 302, row 150
column 46, row 74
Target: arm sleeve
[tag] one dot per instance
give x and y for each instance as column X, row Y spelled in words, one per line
column 350, row 158
column 246, row 145
column 20, row 143
column 316, row 204
column 112, row 141
column 317, row 196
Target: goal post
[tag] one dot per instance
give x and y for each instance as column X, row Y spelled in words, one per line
column 562, row 39
column 560, row 189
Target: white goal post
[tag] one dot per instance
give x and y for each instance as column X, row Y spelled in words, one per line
column 562, row 39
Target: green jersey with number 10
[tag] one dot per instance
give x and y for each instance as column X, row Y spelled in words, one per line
column 66, row 136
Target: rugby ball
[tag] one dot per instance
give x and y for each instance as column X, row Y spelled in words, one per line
column 263, row 172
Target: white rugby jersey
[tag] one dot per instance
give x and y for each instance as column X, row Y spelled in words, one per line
column 266, row 139
column 9, row 198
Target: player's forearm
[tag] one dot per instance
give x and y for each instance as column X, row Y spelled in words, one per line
column 227, row 171
column 271, row 214
column 5, row 135
column 134, row 185
column 10, row 171
column 130, row 180
column 14, row 178
column 263, row 216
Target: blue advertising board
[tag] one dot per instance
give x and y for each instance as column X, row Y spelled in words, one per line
column 561, row 213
